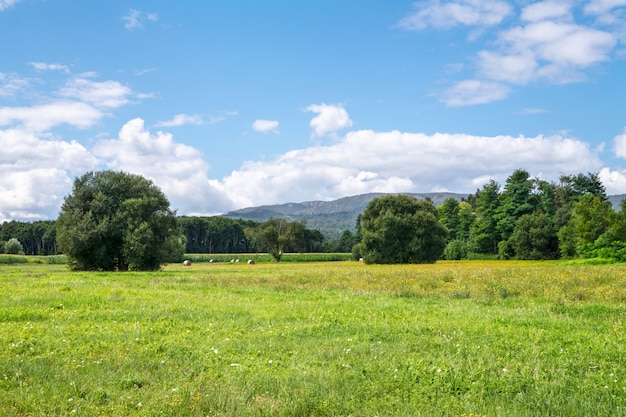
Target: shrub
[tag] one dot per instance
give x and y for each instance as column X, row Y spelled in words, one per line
column 13, row 247
column 456, row 250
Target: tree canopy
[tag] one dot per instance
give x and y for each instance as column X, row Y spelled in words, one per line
column 118, row 221
column 401, row 229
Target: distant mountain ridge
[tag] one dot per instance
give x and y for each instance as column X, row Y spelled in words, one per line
column 329, row 217
column 333, row 217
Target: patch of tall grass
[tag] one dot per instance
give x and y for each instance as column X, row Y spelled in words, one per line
column 264, row 257
column 20, row 259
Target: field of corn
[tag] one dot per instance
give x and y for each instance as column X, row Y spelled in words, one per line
column 487, row 338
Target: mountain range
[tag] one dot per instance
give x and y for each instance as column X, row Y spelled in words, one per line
column 329, row 217
column 333, row 217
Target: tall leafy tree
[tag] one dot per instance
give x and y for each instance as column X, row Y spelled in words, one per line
column 346, row 242
column 401, row 229
column 277, row 234
column 118, row 221
column 449, row 216
column 516, row 200
column 467, row 217
column 590, row 219
column 534, row 237
column 485, row 233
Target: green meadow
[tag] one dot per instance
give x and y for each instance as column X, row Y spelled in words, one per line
column 315, row 339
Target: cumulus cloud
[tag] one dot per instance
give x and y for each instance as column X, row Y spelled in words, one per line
column 179, row 170
column 265, row 126
column 603, row 7
column 444, row 15
column 135, row 19
column 43, row 117
column 38, row 171
column 402, row 162
column 102, row 94
column 36, row 174
column 550, row 41
column 614, row 180
column 546, row 10
column 619, row 145
column 181, row 120
column 330, row 118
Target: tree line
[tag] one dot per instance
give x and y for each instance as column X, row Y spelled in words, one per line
column 529, row 218
column 210, row 234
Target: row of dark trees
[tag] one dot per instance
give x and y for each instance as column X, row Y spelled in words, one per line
column 218, row 234
column 213, row 234
column 530, row 218
column 37, row 238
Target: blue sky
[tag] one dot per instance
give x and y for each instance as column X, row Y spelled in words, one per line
column 231, row 104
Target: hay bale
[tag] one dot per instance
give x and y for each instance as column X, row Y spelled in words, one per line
column 250, row 262
column 187, row 262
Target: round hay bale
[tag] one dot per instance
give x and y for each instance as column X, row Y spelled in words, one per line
column 187, row 262
column 250, row 262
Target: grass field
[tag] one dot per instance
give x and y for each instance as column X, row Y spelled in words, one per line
column 314, row 339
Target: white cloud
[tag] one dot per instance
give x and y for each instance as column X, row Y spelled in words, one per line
column 551, row 42
column 177, row 169
column 265, row 126
column 470, row 92
column 619, row 145
column 444, row 15
column 103, row 94
column 182, row 119
column 367, row 161
column 42, row 66
column 38, row 171
column 561, row 43
column 601, row 7
column 36, row 174
column 43, row 117
column 516, row 68
column 613, row 180
column 330, row 118
column 5, row 4
column 135, row 19
column 546, row 10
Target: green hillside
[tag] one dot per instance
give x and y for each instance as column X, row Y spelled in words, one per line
column 329, row 217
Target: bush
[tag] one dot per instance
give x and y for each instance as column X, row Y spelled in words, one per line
column 456, row 250
column 2, row 243
column 13, row 247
